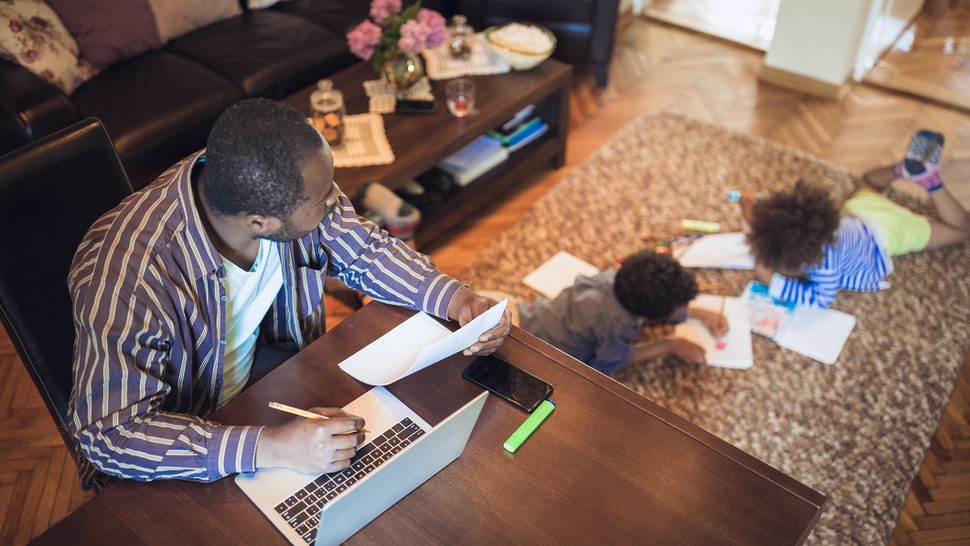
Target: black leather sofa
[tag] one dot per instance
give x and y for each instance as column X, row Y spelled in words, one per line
column 160, row 105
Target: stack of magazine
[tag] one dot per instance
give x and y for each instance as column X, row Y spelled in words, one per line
column 473, row 160
column 491, row 149
column 523, row 128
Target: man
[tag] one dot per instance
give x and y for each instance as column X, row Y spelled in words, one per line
column 211, row 276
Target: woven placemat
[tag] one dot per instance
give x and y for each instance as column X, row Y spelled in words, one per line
column 440, row 64
column 383, row 98
column 365, row 142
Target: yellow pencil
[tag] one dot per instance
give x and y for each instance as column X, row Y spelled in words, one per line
column 307, row 414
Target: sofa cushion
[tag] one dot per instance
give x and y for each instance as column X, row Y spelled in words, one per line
column 266, row 53
column 177, row 17
column 338, row 17
column 33, row 36
column 152, row 98
column 108, row 32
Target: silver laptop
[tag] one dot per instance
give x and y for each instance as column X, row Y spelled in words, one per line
column 400, row 452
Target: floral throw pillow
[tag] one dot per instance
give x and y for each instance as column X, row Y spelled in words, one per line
column 32, row 35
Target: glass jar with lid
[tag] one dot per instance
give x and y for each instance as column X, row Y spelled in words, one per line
column 327, row 105
column 460, row 37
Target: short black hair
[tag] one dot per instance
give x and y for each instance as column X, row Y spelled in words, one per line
column 653, row 286
column 254, row 158
column 790, row 227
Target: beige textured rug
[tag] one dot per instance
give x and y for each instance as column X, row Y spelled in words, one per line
column 857, row 430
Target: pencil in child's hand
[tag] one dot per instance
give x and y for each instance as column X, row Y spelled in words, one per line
column 721, row 342
column 307, row 414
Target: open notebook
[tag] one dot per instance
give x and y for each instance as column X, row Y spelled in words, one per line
column 717, row 251
column 734, row 350
column 816, row 333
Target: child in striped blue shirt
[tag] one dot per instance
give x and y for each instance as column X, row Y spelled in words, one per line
column 807, row 247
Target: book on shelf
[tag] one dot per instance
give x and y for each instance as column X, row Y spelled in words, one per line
column 515, row 121
column 817, row 333
column 473, row 153
column 463, row 177
column 528, row 137
column 521, row 130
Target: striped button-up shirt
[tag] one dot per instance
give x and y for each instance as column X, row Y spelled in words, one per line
column 856, row 261
column 150, row 319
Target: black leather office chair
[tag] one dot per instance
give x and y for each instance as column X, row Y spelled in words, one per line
column 51, row 191
column 584, row 29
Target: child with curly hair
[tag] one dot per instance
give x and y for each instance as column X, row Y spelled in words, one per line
column 598, row 319
column 807, row 247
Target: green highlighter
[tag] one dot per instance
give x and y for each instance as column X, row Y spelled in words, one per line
column 535, row 419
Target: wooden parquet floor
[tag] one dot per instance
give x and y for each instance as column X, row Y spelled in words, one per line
column 656, row 67
column 932, row 58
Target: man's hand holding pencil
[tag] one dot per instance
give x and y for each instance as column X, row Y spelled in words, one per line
column 322, row 440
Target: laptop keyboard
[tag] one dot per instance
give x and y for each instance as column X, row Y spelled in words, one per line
column 301, row 510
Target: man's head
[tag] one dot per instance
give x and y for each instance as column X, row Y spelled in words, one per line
column 265, row 158
column 790, row 227
column 654, row 286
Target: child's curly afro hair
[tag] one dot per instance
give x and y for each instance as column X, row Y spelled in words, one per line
column 789, row 228
column 653, row 286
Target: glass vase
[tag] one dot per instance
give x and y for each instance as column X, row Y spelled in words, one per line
column 402, row 71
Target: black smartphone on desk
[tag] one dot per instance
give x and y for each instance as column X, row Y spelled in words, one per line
column 509, row 382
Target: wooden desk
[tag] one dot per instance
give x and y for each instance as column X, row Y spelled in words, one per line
column 608, row 467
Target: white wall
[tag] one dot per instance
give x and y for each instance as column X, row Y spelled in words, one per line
column 818, row 39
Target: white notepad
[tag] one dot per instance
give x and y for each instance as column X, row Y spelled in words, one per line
column 736, row 350
column 557, row 273
column 718, row 250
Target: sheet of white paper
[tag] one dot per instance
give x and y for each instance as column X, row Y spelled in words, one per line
column 557, row 273
column 461, row 338
column 718, row 250
column 388, row 358
column 415, row 344
column 736, row 351
column 817, row 333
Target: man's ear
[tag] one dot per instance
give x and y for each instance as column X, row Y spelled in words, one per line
column 262, row 225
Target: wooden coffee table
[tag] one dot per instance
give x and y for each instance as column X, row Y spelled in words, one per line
column 420, row 141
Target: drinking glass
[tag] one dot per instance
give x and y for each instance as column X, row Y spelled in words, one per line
column 460, row 97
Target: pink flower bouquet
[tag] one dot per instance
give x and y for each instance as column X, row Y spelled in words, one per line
column 391, row 31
